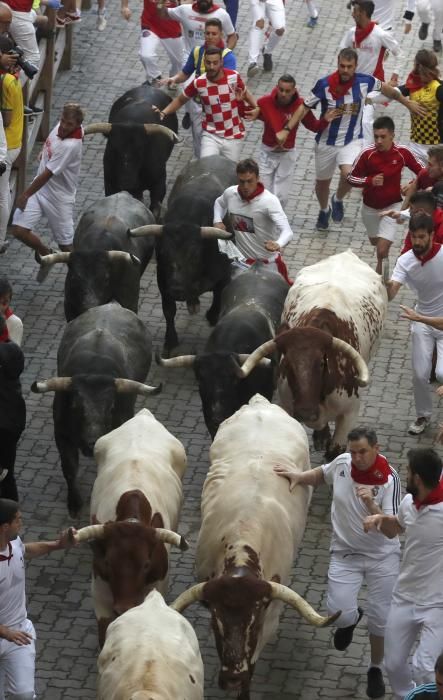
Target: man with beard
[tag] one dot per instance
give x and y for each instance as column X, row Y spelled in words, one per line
column 221, row 92
column 416, row 612
column 341, row 142
column 421, row 268
column 363, row 483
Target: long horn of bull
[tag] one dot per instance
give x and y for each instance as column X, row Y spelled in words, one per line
column 214, row 232
column 170, row 537
column 242, row 357
column 53, row 258
column 98, row 128
column 182, row 361
column 160, row 129
column 91, row 532
column 54, row 384
column 147, row 230
column 360, row 364
column 256, row 357
column 129, row 386
column 122, row 255
column 191, row 595
column 287, row 595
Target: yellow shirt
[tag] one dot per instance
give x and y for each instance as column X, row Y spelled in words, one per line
column 425, row 129
column 12, row 100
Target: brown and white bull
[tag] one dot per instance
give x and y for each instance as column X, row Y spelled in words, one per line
column 151, row 653
column 335, row 311
column 135, row 506
column 251, row 528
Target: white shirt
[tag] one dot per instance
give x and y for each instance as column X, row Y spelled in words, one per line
column 63, row 158
column 421, row 570
column 193, row 23
column 3, row 144
column 254, row 222
column 12, row 586
column 384, row 13
column 425, row 280
column 348, row 511
column 372, row 50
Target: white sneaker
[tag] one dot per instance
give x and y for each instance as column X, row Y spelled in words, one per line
column 418, row 426
column 253, row 69
column 101, row 22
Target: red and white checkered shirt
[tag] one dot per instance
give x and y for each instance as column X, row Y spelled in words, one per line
column 220, row 105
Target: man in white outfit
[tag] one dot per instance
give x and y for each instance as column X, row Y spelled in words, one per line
column 416, row 612
column 363, row 483
column 371, row 43
column 17, row 634
column 274, row 12
column 425, row 10
column 261, row 226
column 193, row 20
column 421, row 268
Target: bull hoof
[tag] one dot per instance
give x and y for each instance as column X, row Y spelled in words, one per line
column 321, row 438
column 333, row 450
column 212, row 317
column 75, row 503
column 193, row 307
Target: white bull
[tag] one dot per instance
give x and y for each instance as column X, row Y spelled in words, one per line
column 151, row 653
column 251, row 529
column 135, row 507
column 335, row 311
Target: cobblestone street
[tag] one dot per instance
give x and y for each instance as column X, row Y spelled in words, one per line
column 301, row 662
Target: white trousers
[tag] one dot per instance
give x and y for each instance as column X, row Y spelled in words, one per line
column 274, row 12
column 425, row 10
column 424, row 338
column 196, row 115
column 420, row 150
column 346, row 575
column 277, row 171
column 213, row 145
column 23, row 31
column 17, row 667
column 149, row 45
column 5, row 194
column 407, row 622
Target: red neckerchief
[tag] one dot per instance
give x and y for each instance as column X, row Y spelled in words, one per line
column 9, row 557
column 213, row 8
column 76, row 134
column 433, row 497
column 413, row 82
column 377, row 475
column 361, row 34
column 337, row 88
column 4, row 336
column 259, row 189
column 429, row 255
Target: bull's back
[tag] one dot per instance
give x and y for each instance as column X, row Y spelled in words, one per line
column 210, row 174
column 135, row 105
column 153, row 648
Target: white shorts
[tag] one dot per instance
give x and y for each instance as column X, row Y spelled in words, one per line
column 272, row 10
column 327, row 158
column 379, row 226
column 17, row 665
column 59, row 217
column 213, row 145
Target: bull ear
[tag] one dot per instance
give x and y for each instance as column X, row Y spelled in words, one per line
column 159, row 563
column 157, row 520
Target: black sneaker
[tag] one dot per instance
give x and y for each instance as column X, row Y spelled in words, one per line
column 437, row 46
column 376, row 685
column 186, row 121
column 267, row 62
column 423, row 31
column 343, row 636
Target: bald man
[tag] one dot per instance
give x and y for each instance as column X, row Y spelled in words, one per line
column 6, row 60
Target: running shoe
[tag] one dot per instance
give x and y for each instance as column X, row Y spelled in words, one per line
column 418, row 426
column 312, row 22
column 253, row 69
column 323, row 220
column 267, row 62
column 338, row 210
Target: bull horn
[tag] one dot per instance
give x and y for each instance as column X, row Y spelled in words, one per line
column 160, row 129
column 170, row 537
column 147, row 230
column 91, row 532
column 214, row 232
column 182, row 361
column 360, row 364
column 54, row 384
column 53, row 258
column 191, row 595
column 242, row 357
column 122, row 255
column 256, row 356
column 98, row 128
column 129, row 386
column 287, row 595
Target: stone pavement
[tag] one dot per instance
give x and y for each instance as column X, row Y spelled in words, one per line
column 301, row 662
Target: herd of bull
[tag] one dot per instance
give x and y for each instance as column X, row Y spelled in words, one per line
column 311, row 342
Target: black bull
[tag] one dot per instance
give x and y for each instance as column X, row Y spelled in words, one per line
column 103, row 358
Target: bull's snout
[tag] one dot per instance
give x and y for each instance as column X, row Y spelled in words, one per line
column 88, row 448
column 229, row 680
column 306, row 415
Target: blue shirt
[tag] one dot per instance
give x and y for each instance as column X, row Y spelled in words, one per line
column 428, row 691
column 196, row 58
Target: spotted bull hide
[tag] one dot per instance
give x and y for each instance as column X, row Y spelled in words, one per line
column 151, row 652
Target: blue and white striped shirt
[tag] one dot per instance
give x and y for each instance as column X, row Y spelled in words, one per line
column 427, row 691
